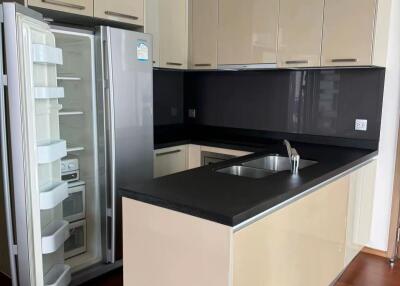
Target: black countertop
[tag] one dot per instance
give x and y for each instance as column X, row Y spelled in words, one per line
column 231, row 200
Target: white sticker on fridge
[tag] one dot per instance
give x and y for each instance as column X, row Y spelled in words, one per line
column 142, row 51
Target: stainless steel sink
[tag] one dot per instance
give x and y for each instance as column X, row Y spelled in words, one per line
column 244, row 171
column 276, row 163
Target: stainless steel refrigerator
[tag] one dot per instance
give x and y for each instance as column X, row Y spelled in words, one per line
column 76, row 124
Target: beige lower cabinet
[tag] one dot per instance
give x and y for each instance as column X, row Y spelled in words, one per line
column 131, row 12
column 80, row 7
column 359, row 218
column 306, row 243
column 170, row 160
column 300, row 34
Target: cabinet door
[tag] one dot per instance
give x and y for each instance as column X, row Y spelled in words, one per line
column 300, row 36
column 169, row 161
column 204, row 34
column 348, row 32
column 173, row 34
column 248, row 31
column 130, row 12
column 81, row 7
column 152, row 26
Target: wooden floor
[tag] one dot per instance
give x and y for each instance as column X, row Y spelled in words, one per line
column 366, row 270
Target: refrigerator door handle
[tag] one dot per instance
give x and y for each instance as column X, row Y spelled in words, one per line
column 12, row 247
column 109, row 150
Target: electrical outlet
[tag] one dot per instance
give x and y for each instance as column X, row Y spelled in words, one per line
column 361, row 125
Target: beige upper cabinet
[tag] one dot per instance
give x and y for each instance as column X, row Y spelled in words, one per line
column 300, row 33
column 173, row 36
column 248, row 31
column 80, row 7
column 152, row 26
column 131, row 12
column 203, row 34
column 348, row 32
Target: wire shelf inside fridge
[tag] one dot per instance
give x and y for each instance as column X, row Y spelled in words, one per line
column 59, row 275
column 51, row 150
column 75, row 148
column 54, row 236
column 44, row 54
column 53, row 194
column 45, row 92
column 65, row 112
column 68, row 78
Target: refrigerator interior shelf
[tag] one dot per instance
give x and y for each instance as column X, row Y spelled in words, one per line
column 53, row 194
column 75, row 149
column 49, row 92
column 54, row 236
column 70, row 112
column 59, row 275
column 50, row 151
column 66, row 78
column 46, row 54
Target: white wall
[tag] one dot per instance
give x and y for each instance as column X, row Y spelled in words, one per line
column 388, row 138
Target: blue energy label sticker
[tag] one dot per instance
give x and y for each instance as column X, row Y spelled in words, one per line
column 142, row 51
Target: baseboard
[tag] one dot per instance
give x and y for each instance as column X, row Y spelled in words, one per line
column 375, row 252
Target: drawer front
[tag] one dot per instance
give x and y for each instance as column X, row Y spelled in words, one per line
column 74, row 207
column 169, row 161
column 80, row 7
column 76, row 243
column 130, row 12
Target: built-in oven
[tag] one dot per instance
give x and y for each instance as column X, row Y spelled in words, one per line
column 208, row 158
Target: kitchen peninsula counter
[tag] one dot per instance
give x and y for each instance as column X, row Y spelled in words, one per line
column 202, row 227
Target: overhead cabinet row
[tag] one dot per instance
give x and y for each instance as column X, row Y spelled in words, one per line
column 205, row 34
column 130, row 12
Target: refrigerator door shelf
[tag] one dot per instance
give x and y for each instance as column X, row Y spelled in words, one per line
column 59, row 275
column 54, row 236
column 51, row 151
column 53, row 194
column 49, row 92
column 46, row 54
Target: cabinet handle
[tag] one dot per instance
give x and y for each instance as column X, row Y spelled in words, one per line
column 64, row 4
column 173, row 64
column 344, row 60
column 202, row 65
column 296, row 62
column 116, row 14
column 168, row 153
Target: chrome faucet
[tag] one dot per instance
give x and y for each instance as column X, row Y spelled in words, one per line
column 293, row 156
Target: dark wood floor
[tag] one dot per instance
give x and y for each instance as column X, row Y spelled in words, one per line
column 366, row 270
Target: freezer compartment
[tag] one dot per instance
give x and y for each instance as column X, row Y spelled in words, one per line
column 78, row 126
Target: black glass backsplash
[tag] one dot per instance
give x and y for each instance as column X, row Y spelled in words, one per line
column 272, row 103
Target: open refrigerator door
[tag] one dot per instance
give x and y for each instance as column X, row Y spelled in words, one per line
column 37, row 148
